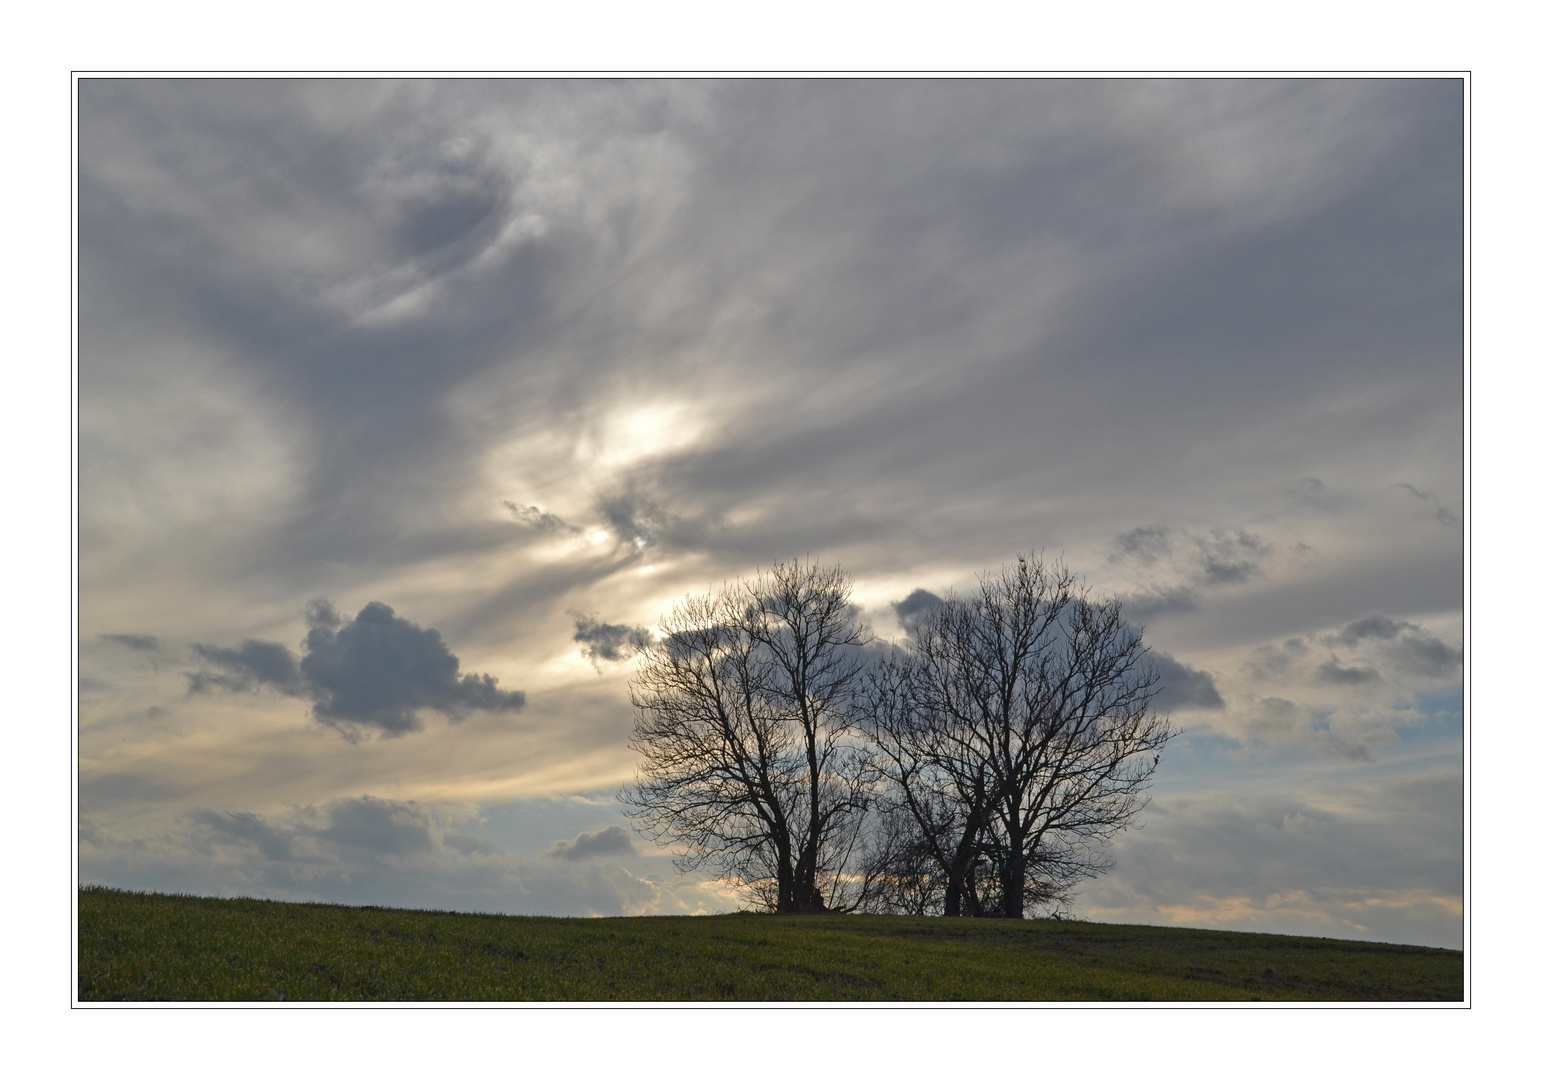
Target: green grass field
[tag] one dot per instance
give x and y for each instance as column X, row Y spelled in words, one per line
column 149, row 947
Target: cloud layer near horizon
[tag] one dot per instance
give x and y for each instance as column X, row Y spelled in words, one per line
column 530, row 360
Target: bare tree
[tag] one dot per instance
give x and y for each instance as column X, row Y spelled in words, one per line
column 940, row 795
column 1018, row 734
column 744, row 720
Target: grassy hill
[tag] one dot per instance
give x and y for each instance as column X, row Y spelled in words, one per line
column 150, row 947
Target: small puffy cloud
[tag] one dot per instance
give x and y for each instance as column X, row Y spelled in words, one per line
column 611, row 840
column 1230, row 556
column 1373, row 627
column 1183, row 687
column 1407, row 646
column 378, row 671
column 612, row 643
column 913, row 607
column 1278, row 661
column 1173, row 567
column 137, row 642
column 374, row 672
column 1425, row 654
column 1334, row 673
column 540, row 520
column 1146, row 544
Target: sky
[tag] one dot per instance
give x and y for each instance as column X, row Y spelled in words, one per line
column 404, row 407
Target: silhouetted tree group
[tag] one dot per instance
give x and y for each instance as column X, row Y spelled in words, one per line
column 978, row 769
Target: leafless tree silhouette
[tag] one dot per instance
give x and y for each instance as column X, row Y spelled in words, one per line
column 1017, row 735
column 752, row 762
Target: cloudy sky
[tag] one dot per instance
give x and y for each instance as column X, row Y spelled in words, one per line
column 405, row 407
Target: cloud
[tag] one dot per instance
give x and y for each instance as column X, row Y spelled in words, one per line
column 1425, row 654
column 1184, row 565
column 611, row 643
column 1277, row 661
column 138, row 642
column 1442, row 515
column 611, row 840
column 362, row 828
column 374, row 672
column 1283, row 722
column 1183, row 687
column 372, row 850
column 1408, row 646
column 1375, row 627
column 911, row 609
column 254, row 663
column 1381, row 861
column 319, row 352
column 540, row 520
column 1144, row 606
column 381, row 827
column 1331, row 671
column 1230, row 556
column 1148, row 543
column 634, row 519
column 378, row 671
column 244, row 827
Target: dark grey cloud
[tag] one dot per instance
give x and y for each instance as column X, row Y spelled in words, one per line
column 255, row 663
column 138, row 642
column 1333, row 672
column 373, row 672
column 378, row 671
column 380, row 826
column 1183, row 687
column 1425, row 654
column 611, row 643
column 1442, row 515
column 244, row 827
column 611, row 840
column 540, row 520
column 1184, row 566
column 1147, row 544
column 1230, row 556
column 635, row 519
column 911, row 609
column 1408, row 646
column 1374, row 627
column 364, row 827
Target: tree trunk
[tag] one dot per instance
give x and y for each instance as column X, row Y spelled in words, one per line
column 1014, row 877
column 785, row 901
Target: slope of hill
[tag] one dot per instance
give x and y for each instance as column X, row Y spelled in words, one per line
column 151, row 947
